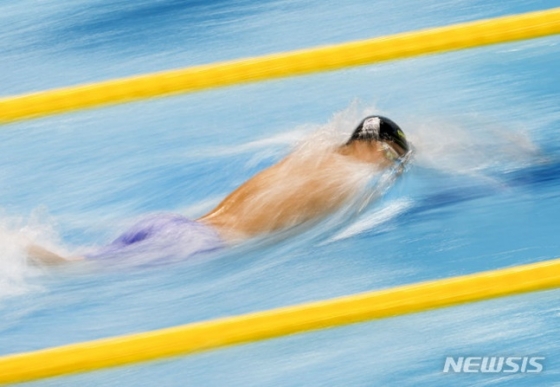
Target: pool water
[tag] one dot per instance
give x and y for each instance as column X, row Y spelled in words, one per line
column 481, row 193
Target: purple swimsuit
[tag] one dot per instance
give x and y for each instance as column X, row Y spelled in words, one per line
column 166, row 237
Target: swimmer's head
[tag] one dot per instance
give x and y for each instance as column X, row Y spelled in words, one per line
column 378, row 128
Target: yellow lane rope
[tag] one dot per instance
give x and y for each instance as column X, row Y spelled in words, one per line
column 403, row 45
column 252, row 327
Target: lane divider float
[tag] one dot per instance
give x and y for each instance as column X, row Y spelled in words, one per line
column 207, row 335
column 403, row 45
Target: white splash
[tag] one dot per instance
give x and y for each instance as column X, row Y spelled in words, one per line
column 373, row 220
column 470, row 147
column 16, row 233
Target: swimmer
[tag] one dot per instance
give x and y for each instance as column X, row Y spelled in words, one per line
column 294, row 191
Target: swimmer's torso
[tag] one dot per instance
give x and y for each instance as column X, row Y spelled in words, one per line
column 296, row 190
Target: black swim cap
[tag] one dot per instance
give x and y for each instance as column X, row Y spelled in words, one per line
column 380, row 128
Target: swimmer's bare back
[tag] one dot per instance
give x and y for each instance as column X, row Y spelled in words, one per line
column 295, row 190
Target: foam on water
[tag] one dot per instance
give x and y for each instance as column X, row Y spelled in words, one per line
column 16, row 233
column 374, row 219
column 471, row 147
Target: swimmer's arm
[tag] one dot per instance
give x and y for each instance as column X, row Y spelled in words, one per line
column 40, row 255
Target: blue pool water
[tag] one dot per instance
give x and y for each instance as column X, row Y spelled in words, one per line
column 482, row 192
